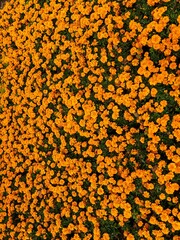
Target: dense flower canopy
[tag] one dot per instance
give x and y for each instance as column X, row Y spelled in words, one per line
column 90, row 119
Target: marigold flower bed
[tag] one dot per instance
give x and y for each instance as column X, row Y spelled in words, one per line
column 90, row 119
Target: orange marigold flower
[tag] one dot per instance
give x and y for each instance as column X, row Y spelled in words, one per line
column 155, row 39
column 111, row 88
column 114, row 212
column 130, row 237
column 127, row 214
column 135, row 62
column 105, row 236
column 176, row 225
column 153, row 92
column 103, row 59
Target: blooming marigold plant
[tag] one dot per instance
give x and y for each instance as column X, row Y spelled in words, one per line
column 89, row 119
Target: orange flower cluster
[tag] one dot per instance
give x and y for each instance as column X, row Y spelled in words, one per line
column 89, row 119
